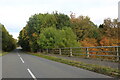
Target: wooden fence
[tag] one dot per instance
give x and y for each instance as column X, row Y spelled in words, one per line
column 100, row 52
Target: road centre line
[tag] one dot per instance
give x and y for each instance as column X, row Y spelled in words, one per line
column 32, row 74
column 22, row 60
column 18, row 54
column 28, row 68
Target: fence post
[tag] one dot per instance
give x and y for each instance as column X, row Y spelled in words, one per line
column 59, row 51
column 47, row 50
column 39, row 50
column 71, row 52
column 117, row 53
column 53, row 51
column 87, row 53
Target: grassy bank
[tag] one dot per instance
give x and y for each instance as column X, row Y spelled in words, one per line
column 96, row 68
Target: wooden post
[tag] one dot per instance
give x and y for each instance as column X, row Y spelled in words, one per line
column 60, row 51
column 47, row 50
column 87, row 53
column 53, row 51
column 71, row 52
column 117, row 53
column 39, row 50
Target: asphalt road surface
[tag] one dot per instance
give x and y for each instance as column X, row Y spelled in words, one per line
column 17, row 64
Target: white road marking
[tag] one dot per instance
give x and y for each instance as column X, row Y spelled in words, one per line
column 22, row 60
column 18, row 54
column 28, row 68
column 32, row 74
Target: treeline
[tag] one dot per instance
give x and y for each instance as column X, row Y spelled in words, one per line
column 58, row 30
column 47, row 31
column 8, row 42
column 89, row 34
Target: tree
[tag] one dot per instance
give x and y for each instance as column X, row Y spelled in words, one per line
column 38, row 23
column 83, row 26
column 53, row 38
column 62, row 20
column 8, row 42
column 24, row 39
column 109, row 28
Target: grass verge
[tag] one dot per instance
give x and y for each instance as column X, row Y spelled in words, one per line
column 95, row 68
column 3, row 53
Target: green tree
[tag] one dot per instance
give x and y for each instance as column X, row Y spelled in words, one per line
column 62, row 20
column 8, row 42
column 36, row 24
column 53, row 38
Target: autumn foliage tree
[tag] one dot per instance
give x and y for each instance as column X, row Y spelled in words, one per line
column 84, row 27
column 24, row 39
column 109, row 28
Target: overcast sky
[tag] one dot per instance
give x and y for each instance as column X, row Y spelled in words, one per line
column 15, row 13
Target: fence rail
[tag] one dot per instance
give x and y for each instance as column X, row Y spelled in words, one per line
column 101, row 52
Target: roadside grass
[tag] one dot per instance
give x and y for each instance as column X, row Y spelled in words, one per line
column 0, row 53
column 91, row 67
column 3, row 53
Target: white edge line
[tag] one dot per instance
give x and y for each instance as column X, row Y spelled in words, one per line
column 22, row 60
column 31, row 74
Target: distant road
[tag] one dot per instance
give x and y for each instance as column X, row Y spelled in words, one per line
column 20, row 65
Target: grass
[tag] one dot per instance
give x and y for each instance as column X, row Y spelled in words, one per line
column 95, row 68
column 3, row 53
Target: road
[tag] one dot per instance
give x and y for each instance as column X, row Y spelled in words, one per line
column 17, row 64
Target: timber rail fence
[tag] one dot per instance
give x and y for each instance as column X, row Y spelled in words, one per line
column 100, row 52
